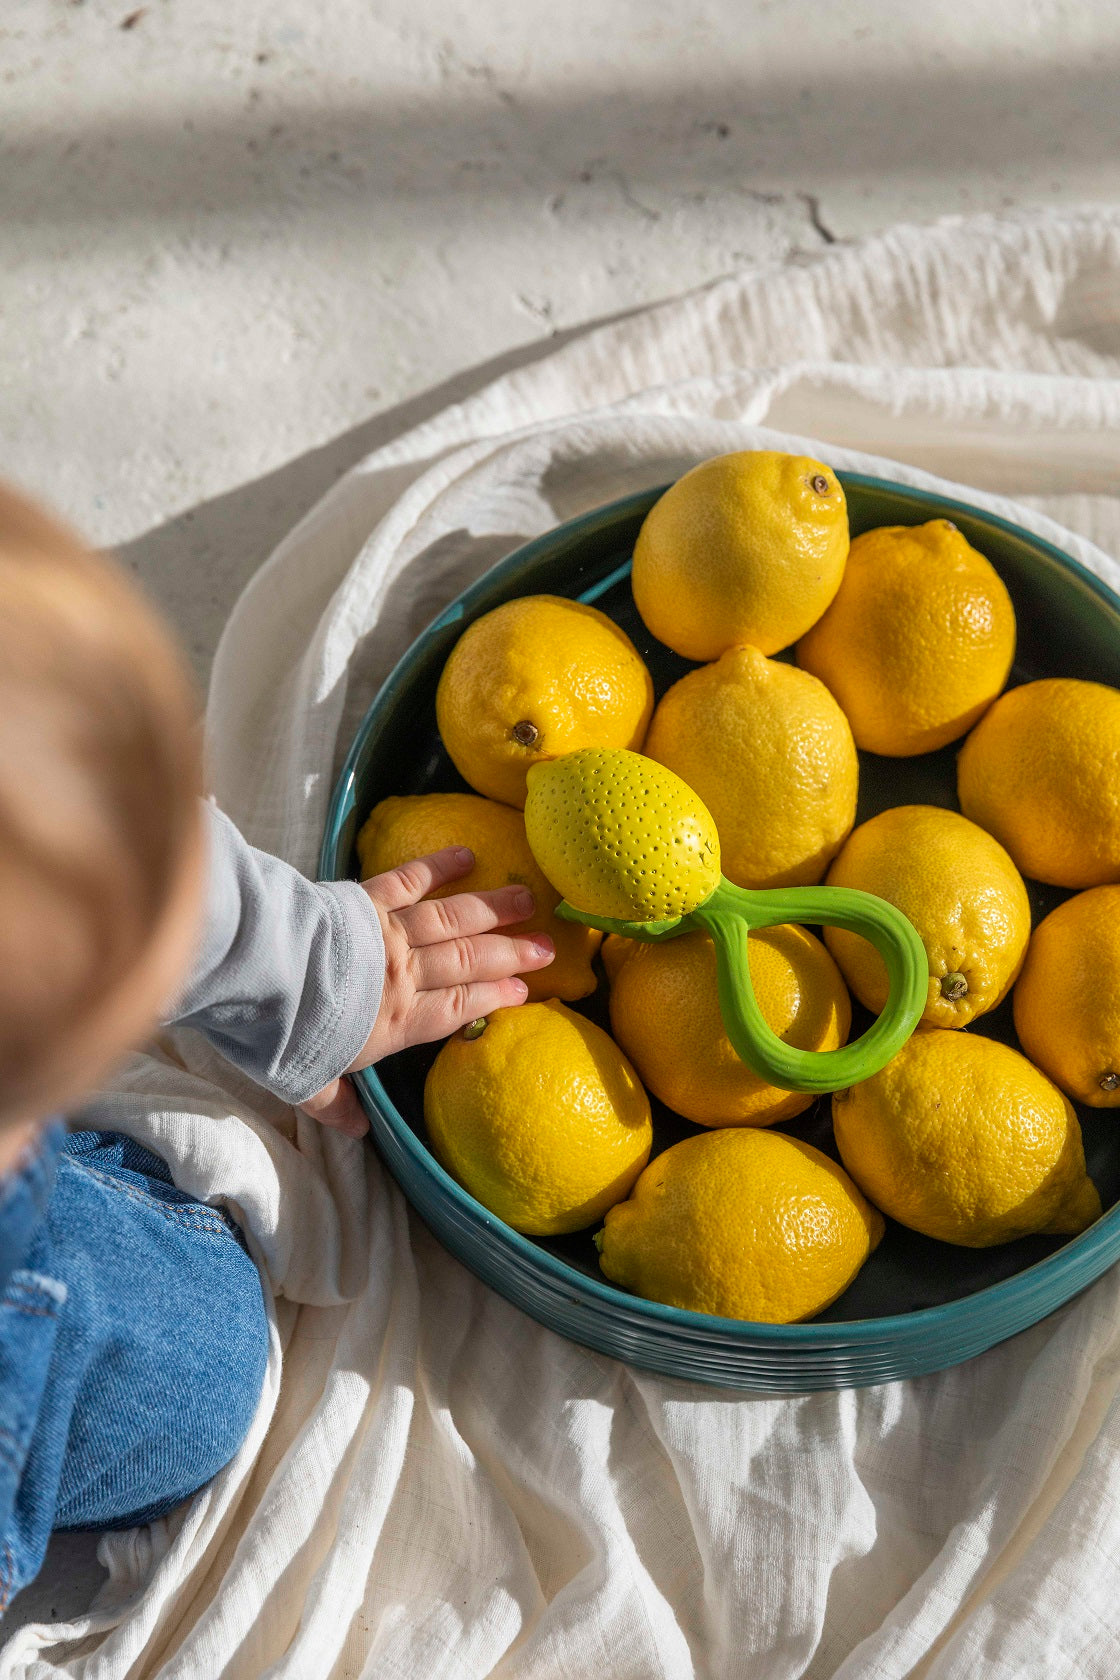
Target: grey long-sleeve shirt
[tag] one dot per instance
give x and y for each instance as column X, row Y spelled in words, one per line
column 288, row 977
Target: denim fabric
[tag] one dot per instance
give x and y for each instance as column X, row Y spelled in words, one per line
column 24, row 1194
column 133, row 1342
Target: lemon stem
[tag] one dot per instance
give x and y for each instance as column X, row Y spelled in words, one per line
column 954, row 986
column 526, row 734
column 474, row 1029
column 1109, row 1081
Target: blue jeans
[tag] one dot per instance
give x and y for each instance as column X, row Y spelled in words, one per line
column 133, row 1342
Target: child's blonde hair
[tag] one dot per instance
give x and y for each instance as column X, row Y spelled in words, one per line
column 99, row 780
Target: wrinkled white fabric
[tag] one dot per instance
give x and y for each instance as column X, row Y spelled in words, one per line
column 439, row 1487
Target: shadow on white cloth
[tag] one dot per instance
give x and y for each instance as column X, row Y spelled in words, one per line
column 440, row 1487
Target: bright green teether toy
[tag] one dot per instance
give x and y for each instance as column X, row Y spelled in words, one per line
column 635, row 852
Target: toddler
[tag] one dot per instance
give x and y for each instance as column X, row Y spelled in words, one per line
column 132, row 1328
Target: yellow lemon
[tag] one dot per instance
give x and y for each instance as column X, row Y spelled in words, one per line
column 771, row 755
column 620, row 836
column 919, row 640
column 743, row 1224
column 413, row 825
column 535, row 678
column 747, row 547
column 1067, row 1001
column 962, row 1138
column 961, row 891
column 665, row 1014
column 539, row 1116
column 615, row 950
column 1042, row 773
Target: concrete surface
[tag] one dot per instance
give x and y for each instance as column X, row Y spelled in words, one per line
column 236, row 232
column 244, row 241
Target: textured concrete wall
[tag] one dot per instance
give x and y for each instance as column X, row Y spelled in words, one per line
column 236, row 231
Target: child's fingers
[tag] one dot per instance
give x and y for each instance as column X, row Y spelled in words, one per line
column 438, row 919
column 438, row 1014
column 410, row 881
column 337, row 1106
column 491, row 956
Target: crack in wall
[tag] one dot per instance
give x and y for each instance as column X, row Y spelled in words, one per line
column 813, row 204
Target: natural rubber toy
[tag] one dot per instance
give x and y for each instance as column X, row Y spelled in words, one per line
column 635, row 852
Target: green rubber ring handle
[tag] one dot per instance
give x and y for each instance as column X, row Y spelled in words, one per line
column 731, row 913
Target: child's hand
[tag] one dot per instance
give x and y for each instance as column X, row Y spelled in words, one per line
column 444, row 966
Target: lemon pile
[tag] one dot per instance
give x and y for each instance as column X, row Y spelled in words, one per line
column 902, row 641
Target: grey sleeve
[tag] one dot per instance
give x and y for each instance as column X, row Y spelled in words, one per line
column 288, row 977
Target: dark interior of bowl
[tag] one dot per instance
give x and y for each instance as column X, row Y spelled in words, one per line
column 1068, row 627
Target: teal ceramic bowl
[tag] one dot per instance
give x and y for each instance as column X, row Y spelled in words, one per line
column 918, row 1305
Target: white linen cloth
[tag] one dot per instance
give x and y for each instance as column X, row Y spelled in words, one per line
column 439, row 1487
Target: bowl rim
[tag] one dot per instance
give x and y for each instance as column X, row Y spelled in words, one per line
column 1078, row 1256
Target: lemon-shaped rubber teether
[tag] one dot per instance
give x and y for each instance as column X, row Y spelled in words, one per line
column 621, row 836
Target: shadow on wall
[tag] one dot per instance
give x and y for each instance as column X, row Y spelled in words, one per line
column 635, row 145
column 225, row 540
column 297, row 173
